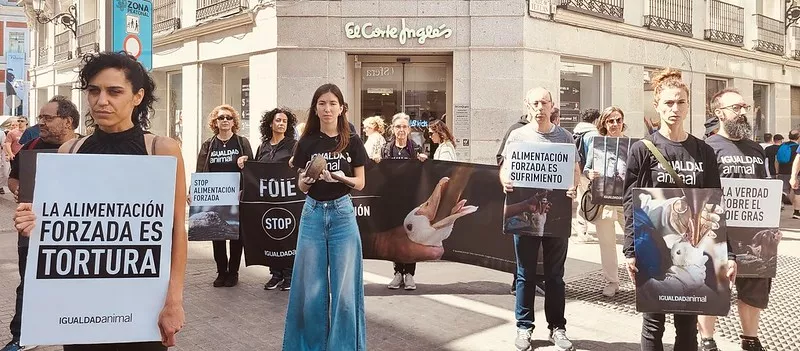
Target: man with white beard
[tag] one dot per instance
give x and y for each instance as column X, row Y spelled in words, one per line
column 738, row 156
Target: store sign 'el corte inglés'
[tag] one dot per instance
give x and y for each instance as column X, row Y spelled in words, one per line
column 402, row 33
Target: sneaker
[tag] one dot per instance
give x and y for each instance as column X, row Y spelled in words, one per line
column 12, row 346
column 286, row 285
column 408, row 281
column 273, row 283
column 395, row 283
column 220, row 281
column 232, row 279
column 708, row 344
column 558, row 337
column 750, row 343
column 796, row 215
column 523, row 341
column 611, row 289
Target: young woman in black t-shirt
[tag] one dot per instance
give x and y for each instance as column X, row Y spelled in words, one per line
column 326, row 303
column 694, row 162
column 277, row 145
column 120, row 96
column 220, row 153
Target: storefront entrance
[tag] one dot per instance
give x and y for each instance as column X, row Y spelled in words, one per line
column 418, row 86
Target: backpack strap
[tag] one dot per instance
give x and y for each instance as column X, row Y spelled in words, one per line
column 33, row 143
column 663, row 162
column 75, row 145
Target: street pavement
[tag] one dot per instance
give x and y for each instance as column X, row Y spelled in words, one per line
column 455, row 307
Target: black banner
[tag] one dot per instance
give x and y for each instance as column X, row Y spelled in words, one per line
column 610, row 157
column 409, row 211
column 27, row 172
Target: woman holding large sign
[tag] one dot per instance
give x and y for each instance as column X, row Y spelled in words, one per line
column 673, row 159
column 326, row 304
column 120, row 95
column 221, row 153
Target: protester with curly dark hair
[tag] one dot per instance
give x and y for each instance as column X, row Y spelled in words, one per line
column 120, row 96
column 277, row 145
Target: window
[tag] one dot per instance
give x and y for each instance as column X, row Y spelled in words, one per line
column 581, row 89
column 713, row 85
column 760, row 119
column 650, row 113
column 237, row 94
column 175, row 105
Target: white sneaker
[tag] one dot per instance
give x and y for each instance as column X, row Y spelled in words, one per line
column 523, row 341
column 559, row 338
column 611, row 289
column 395, row 283
column 408, row 281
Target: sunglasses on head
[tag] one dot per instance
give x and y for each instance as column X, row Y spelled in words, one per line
column 225, row 117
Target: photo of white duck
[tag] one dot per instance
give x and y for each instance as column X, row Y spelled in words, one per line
column 419, row 223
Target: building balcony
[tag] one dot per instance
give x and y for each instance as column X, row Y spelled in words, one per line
column 725, row 24
column 771, row 37
column 61, row 47
column 608, row 9
column 795, row 32
column 669, row 16
column 166, row 15
column 89, row 37
column 43, row 56
column 217, row 8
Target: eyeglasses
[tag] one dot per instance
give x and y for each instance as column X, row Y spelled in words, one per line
column 739, row 108
column 400, row 126
column 539, row 103
column 225, row 118
column 46, row 118
column 615, row 121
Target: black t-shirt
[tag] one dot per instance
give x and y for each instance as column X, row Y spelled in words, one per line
column 319, row 143
column 693, row 160
column 223, row 155
column 40, row 145
column 738, row 158
column 786, row 168
column 771, row 152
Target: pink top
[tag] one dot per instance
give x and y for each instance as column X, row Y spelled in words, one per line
column 13, row 138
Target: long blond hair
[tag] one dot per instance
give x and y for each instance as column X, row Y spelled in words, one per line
column 377, row 123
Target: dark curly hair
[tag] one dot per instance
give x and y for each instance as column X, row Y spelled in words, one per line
column 269, row 116
column 92, row 64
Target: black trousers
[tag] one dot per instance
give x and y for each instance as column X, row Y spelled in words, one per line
column 135, row 346
column 281, row 272
column 221, row 256
column 653, row 331
column 403, row 268
column 16, row 322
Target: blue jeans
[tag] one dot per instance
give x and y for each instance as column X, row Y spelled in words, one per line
column 326, row 303
column 554, row 251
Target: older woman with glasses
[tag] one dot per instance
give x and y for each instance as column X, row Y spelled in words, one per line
column 221, row 153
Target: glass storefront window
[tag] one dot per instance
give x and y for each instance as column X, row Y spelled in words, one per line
column 760, row 111
column 581, row 89
column 175, row 105
column 237, row 94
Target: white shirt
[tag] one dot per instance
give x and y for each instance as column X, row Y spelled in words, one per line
column 374, row 145
column 445, row 152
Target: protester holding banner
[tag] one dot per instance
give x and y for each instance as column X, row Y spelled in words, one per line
column 221, row 153
column 120, row 97
column 58, row 119
column 539, row 103
column 610, row 124
column 687, row 158
column 374, row 127
column 326, row 305
column 400, row 147
column 738, row 156
column 440, row 134
column 276, row 147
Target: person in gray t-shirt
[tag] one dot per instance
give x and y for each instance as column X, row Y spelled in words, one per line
column 539, row 103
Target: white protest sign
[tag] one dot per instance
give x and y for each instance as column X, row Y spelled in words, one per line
column 541, row 165
column 752, row 203
column 99, row 256
column 215, row 189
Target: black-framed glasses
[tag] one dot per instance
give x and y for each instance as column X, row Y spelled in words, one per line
column 738, row 108
column 225, row 118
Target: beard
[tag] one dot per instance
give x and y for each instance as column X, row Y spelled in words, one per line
column 738, row 128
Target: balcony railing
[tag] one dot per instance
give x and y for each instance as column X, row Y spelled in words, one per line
column 165, row 15
column 670, row 16
column 88, row 37
column 771, row 37
column 796, row 40
column 726, row 23
column 608, row 9
column 215, row 8
column 61, row 47
column 43, row 56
